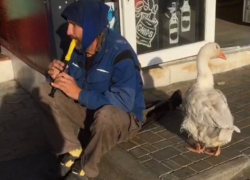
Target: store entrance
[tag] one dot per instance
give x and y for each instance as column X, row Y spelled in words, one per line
column 232, row 23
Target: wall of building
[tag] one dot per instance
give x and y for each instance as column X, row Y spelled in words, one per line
column 185, row 69
column 26, row 76
column 154, row 76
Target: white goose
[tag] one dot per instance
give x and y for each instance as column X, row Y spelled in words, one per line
column 207, row 116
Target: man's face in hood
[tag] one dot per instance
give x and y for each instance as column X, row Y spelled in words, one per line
column 91, row 16
column 75, row 32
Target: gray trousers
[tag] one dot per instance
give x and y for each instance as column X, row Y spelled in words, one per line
column 64, row 118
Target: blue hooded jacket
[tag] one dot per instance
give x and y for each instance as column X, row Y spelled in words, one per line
column 107, row 82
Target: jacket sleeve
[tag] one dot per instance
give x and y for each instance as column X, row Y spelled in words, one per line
column 121, row 93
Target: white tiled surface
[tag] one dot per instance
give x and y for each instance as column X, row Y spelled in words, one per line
column 6, row 70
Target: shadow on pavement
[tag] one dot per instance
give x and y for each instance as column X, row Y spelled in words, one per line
column 24, row 150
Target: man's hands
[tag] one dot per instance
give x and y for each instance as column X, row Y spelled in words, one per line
column 63, row 81
column 67, row 84
column 55, row 67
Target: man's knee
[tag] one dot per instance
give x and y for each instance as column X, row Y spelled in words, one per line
column 107, row 111
column 103, row 117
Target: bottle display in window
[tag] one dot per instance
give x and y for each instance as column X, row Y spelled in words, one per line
column 163, row 24
column 173, row 26
column 185, row 16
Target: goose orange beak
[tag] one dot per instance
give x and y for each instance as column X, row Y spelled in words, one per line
column 222, row 55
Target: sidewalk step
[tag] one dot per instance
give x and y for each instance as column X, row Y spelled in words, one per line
column 120, row 165
column 231, row 170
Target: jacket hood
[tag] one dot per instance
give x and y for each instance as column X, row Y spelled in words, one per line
column 91, row 15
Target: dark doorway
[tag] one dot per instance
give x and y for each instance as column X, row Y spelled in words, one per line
column 232, row 26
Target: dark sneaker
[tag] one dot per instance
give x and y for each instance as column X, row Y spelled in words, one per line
column 68, row 160
column 176, row 99
column 73, row 176
column 76, row 172
column 159, row 109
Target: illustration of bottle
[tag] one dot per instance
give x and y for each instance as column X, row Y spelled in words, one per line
column 173, row 26
column 185, row 16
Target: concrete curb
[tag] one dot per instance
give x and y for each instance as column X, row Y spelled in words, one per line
column 120, row 165
column 228, row 170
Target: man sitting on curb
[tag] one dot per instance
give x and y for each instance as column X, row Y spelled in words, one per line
column 102, row 85
column 103, row 76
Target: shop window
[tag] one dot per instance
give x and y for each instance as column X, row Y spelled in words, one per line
column 113, row 15
column 163, row 24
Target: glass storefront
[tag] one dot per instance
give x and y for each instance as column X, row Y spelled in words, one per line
column 163, row 24
column 163, row 30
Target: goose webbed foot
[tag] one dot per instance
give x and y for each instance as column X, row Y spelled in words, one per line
column 213, row 152
column 198, row 149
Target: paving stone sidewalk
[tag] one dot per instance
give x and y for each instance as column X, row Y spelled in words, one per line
column 159, row 147
column 19, row 123
column 23, row 148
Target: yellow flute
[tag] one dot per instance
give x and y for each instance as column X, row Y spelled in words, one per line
column 66, row 61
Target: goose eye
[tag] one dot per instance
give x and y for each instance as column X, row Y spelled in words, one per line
column 216, row 47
